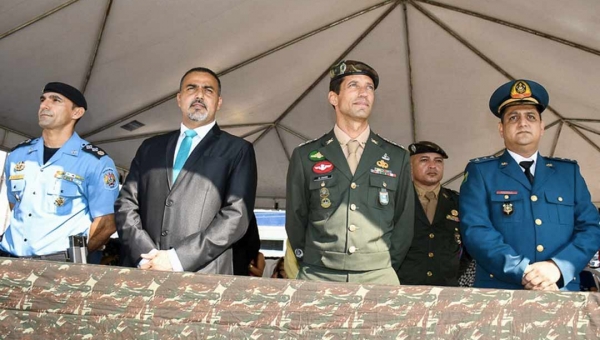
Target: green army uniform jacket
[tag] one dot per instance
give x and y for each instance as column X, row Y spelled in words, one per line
column 434, row 258
column 344, row 222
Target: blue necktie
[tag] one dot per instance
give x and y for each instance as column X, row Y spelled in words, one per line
column 183, row 153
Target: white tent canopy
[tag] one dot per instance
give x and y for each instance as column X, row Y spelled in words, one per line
column 438, row 61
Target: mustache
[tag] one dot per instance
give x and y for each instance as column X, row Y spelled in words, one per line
column 198, row 101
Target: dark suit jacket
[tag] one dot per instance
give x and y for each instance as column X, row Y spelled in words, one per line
column 246, row 249
column 200, row 216
column 434, row 257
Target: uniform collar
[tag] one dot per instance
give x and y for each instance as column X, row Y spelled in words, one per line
column 343, row 137
column 422, row 191
column 518, row 158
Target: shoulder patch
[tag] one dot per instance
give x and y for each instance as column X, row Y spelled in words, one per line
column 560, row 159
column 483, row 159
column 94, row 150
column 24, row 143
column 389, row 141
column 310, row 141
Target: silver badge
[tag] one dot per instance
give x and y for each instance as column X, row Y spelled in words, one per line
column 384, row 197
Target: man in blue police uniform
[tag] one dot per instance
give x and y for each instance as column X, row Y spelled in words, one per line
column 59, row 185
column 350, row 200
column 527, row 220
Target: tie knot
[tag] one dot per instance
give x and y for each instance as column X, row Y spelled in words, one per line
column 191, row 133
column 526, row 164
column 430, row 195
column 352, row 146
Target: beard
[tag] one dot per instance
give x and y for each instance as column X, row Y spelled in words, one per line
column 197, row 116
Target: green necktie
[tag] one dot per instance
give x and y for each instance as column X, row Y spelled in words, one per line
column 183, row 153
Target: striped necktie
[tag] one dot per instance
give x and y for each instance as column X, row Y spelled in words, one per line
column 183, row 153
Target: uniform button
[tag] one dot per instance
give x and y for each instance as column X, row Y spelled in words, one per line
column 538, row 221
column 384, row 184
column 34, row 192
column 29, row 215
column 41, row 170
column 164, row 233
column 430, row 254
column 560, row 199
column 352, row 227
column 25, row 240
column 431, row 235
column 506, row 197
column 169, row 203
column 540, row 248
column 353, row 185
column 492, row 276
column 352, row 206
column 429, row 273
column 533, row 198
column 352, row 249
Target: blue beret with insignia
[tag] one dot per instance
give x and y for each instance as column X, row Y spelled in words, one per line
column 519, row 92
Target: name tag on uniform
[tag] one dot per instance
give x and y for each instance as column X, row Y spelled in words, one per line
column 15, row 177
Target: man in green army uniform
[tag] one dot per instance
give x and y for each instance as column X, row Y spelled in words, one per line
column 350, row 199
column 436, row 256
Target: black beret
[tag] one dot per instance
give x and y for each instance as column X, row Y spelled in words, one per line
column 352, row 67
column 519, row 92
column 424, row 147
column 68, row 91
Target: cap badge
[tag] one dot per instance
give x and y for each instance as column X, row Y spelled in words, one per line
column 520, row 90
column 413, row 148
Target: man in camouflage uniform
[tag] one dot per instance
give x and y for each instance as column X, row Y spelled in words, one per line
column 350, row 201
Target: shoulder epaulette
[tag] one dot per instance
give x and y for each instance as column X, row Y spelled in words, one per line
column 94, row 150
column 391, row 142
column 560, row 159
column 483, row 159
column 24, row 143
column 310, row 141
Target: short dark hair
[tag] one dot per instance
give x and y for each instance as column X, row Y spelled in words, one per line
column 203, row 70
column 336, row 85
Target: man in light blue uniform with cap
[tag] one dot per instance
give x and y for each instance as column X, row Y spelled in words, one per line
column 59, row 185
column 527, row 220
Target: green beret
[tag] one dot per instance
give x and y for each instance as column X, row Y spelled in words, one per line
column 352, row 67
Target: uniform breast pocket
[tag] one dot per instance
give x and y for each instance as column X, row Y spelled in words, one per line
column 382, row 191
column 507, row 210
column 62, row 196
column 17, row 187
column 560, row 207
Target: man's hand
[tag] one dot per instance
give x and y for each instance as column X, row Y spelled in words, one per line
column 158, row 260
column 541, row 276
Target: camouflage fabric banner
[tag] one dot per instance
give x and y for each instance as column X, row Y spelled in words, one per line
column 49, row 300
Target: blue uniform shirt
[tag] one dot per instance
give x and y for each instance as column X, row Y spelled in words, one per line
column 508, row 223
column 60, row 198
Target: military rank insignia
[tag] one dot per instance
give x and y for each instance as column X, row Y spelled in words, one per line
column 324, row 194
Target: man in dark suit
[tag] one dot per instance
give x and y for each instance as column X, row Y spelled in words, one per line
column 190, row 193
column 527, row 220
column 436, row 256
